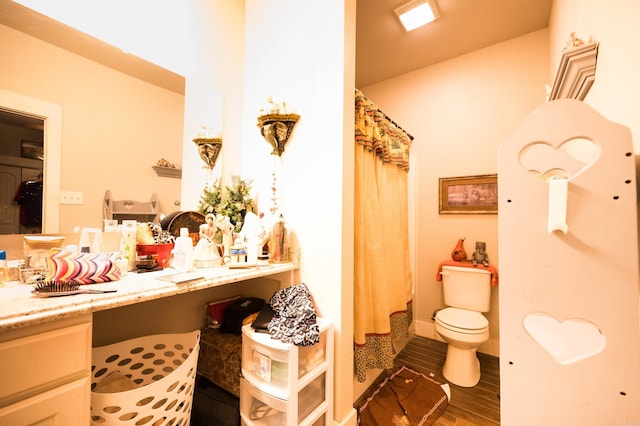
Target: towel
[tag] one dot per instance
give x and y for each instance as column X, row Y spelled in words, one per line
column 490, row 268
column 404, row 398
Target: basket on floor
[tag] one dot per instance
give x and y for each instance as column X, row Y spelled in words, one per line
column 158, row 371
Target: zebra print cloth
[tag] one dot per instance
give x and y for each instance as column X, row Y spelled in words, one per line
column 294, row 316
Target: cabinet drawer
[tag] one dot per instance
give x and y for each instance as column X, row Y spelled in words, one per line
column 320, row 421
column 311, row 396
column 264, row 409
column 258, row 408
column 35, row 362
column 65, row 405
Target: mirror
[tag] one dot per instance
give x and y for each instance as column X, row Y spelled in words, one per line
column 97, row 131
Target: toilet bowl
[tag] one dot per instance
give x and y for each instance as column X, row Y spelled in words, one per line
column 463, row 331
column 467, row 293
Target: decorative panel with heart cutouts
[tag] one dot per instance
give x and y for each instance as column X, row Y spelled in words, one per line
column 569, row 311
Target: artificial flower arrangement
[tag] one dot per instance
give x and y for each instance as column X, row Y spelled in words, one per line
column 233, row 202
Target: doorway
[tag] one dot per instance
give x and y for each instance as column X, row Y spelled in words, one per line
column 50, row 115
column 21, row 173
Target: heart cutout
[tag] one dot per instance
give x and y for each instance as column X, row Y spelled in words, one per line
column 567, row 341
column 571, row 157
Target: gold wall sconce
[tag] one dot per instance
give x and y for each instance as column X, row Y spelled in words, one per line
column 208, row 149
column 276, row 130
column 276, row 126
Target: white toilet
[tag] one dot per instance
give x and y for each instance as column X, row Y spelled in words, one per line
column 467, row 293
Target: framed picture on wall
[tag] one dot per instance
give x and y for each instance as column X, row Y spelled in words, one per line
column 469, row 195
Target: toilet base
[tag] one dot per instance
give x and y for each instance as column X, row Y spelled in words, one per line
column 461, row 367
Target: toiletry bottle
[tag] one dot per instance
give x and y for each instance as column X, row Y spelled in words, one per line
column 84, row 241
column 253, row 247
column 183, row 252
column 128, row 243
column 3, row 266
column 278, row 241
column 263, row 251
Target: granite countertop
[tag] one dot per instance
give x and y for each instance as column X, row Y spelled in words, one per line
column 20, row 308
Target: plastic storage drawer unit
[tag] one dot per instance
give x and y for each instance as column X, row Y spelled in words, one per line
column 284, row 384
column 269, row 364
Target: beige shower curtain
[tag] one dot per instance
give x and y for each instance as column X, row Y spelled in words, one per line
column 382, row 278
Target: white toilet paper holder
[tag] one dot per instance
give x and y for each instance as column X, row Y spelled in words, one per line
column 558, row 191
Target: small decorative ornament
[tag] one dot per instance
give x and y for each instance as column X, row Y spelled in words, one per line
column 574, row 41
column 480, row 255
column 458, row 254
column 223, row 223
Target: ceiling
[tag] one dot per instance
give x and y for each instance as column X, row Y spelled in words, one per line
column 385, row 50
column 23, row 19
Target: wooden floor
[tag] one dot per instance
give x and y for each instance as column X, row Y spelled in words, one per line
column 476, row 406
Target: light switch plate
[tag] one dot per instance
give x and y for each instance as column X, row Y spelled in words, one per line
column 71, row 197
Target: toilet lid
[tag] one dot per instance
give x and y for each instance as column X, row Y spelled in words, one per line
column 462, row 318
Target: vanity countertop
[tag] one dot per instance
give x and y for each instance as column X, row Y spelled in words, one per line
column 20, row 308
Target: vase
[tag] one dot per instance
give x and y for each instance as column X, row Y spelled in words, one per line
column 458, row 254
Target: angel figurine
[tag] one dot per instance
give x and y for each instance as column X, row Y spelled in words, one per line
column 206, row 249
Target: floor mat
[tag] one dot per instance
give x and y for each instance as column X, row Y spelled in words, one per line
column 405, row 398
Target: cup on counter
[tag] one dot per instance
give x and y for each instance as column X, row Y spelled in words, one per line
column 294, row 255
column 32, row 274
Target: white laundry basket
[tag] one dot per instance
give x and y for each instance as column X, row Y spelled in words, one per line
column 163, row 367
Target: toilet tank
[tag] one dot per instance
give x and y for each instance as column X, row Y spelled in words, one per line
column 466, row 288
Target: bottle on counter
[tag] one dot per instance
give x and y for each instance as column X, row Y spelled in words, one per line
column 238, row 252
column 278, row 241
column 128, row 243
column 183, row 252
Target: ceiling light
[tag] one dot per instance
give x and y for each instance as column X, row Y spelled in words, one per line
column 417, row 13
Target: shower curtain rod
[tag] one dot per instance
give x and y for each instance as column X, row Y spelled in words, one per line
column 388, row 118
column 396, row 124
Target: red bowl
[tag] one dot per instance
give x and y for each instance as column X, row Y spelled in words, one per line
column 162, row 250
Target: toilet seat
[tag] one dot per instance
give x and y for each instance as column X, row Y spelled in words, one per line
column 462, row 321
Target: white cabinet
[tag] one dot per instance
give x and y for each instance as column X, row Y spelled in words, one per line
column 285, row 384
column 45, row 372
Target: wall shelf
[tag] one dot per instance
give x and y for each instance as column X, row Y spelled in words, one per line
column 142, row 211
column 170, row 172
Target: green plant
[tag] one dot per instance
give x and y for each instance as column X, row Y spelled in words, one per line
column 234, row 201
column 210, row 199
